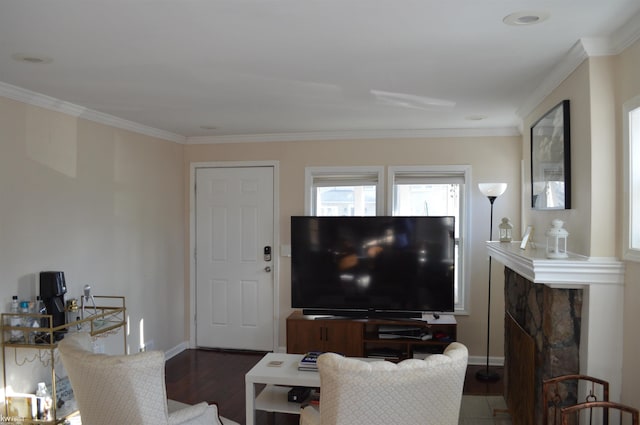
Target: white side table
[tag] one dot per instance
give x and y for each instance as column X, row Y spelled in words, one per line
column 278, row 380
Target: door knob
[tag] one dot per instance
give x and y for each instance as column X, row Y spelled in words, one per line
column 267, row 269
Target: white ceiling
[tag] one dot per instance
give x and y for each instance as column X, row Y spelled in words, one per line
column 254, row 68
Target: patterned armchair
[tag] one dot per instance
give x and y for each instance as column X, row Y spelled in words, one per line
column 125, row 389
column 355, row 392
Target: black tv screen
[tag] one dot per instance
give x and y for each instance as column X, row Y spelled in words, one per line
column 372, row 265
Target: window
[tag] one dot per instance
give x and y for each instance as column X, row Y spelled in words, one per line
column 631, row 220
column 336, row 191
column 426, row 190
column 434, row 191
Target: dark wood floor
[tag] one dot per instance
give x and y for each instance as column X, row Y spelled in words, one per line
column 209, row 375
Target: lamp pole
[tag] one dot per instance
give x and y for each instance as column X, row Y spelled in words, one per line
column 486, row 374
column 491, row 191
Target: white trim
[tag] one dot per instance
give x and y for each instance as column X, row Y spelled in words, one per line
column 53, row 104
column 575, row 56
column 630, row 150
column 276, row 240
column 584, row 48
column 310, row 172
column 574, row 272
column 482, row 360
column 596, row 46
column 622, row 38
column 627, row 34
column 172, row 352
column 356, row 135
column 465, row 225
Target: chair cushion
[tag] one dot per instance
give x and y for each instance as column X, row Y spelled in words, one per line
column 357, row 392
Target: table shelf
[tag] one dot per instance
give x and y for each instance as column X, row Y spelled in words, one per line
column 273, row 398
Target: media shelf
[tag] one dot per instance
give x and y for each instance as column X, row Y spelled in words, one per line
column 390, row 339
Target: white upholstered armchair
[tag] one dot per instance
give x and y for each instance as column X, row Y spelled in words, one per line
column 355, row 392
column 125, row 389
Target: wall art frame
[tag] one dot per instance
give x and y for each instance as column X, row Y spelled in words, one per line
column 551, row 159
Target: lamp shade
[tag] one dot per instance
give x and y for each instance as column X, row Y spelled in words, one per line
column 492, row 189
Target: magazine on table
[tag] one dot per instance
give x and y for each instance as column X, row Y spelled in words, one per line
column 310, row 361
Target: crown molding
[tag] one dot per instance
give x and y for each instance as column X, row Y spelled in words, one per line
column 627, row 34
column 353, row 135
column 53, row 104
column 575, row 56
column 622, row 38
column 594, row 47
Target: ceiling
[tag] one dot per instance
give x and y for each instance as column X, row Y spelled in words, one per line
column 207, row 70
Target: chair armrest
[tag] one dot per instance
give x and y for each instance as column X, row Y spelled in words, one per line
column 309, row 416
column 198, row 414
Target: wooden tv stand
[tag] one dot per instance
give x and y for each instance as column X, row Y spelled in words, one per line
column 361, row 337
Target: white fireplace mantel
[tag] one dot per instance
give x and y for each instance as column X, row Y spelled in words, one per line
column 602, row 282
column 573, row 272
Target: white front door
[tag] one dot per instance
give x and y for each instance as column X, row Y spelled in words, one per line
column 234, row 280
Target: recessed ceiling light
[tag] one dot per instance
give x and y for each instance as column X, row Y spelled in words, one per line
column 21, row 57
column 208, row 127
column 475, row 117
column 526, row 18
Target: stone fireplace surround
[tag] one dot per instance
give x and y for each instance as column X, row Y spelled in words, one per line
column 572, row 308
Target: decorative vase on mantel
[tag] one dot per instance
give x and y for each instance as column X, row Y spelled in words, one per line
column 557, row 240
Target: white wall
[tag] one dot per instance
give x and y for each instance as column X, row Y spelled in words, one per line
column 101, row 204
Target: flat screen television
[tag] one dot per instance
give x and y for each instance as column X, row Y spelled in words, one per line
column 372, row 266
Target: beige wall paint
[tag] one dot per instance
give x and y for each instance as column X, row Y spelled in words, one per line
column 627, row 87
column 101, row 204
column 578, row 218
column 603, row 241
column 593, row 160
column 492, row 159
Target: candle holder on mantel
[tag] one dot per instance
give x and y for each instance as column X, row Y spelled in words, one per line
column 506, row 230
column 557, row 240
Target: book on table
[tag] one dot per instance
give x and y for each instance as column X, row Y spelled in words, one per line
column 309, row 361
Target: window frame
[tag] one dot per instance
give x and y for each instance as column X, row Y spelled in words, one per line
column 384, row 205
column 631, row 181
column 456, row 172
column 350, row 174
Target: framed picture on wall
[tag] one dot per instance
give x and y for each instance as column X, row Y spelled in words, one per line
column 551, row 160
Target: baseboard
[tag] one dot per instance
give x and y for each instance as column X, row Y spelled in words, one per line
column 482, row 360
column 172, row 352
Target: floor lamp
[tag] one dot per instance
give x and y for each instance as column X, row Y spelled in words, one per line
column 491, row 191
